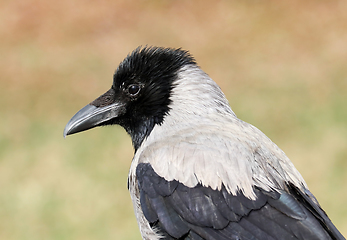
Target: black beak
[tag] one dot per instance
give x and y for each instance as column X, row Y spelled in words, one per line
column 91, row 116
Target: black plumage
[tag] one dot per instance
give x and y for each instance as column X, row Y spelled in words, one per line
column 177, row 211
column 152, row 70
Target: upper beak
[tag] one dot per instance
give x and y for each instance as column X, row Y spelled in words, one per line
column 91, row 116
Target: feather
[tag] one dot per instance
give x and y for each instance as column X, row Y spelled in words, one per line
column 218, row 214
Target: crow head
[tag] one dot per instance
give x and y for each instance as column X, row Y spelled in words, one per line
column 140, row 94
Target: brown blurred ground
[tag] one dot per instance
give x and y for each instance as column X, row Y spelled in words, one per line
column 282, row 65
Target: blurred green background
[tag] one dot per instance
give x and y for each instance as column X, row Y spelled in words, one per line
column 282, row 65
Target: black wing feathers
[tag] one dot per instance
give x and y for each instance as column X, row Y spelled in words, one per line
column 310, row 202
column 180, row 212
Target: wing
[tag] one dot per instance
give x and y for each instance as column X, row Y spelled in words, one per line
column 179, row 212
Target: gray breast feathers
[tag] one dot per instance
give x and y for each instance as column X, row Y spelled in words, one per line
column 215, row 152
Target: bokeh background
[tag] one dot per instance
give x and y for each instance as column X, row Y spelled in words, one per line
column 282, row 65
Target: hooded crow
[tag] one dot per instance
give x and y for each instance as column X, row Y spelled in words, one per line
column 198, row 171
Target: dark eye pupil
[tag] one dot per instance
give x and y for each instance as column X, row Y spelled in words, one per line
column 133, row 89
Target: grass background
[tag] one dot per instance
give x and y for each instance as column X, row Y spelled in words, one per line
column 282, row 65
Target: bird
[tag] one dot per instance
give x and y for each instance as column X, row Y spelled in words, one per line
column 198, row 171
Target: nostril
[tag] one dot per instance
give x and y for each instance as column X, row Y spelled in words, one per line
column 104, row 100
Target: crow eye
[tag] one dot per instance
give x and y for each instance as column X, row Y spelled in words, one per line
column 134, row 89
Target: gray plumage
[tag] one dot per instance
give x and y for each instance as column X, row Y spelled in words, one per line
column 195, row 160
